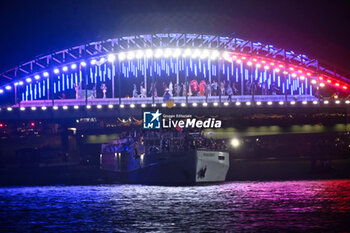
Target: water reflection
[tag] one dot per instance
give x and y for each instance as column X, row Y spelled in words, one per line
column 249, row 206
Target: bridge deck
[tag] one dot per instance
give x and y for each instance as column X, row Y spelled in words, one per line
column 159, row 100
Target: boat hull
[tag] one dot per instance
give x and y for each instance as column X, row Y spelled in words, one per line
column 182, row 168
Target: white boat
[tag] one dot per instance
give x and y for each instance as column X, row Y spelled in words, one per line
column 164, row 159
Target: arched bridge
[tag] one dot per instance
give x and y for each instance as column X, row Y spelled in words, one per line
column 193, row 70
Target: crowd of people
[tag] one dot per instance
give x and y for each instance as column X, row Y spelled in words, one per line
column 192, row 88
column 205, row 88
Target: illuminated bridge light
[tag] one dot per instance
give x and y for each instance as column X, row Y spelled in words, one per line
column 93, row 62
column 183, row 105
column 132, row 105
column 277, row 70
column 154, row 105
column 226, row 56
column 177, row 52
column 239, row 61
column 158, row 53
column 215, row 104
column 294, row 75
column 347, row 101
column 226, row 103
column 238, row 103
column 187, row 52
column 308, row 74
column 326, row 102
column 248, row 103
column 214, row 55
column 9, row 109
column 99, row 106
column 315, row 102
column 46, row 74
column 302, row 78
column 8, row 87
column 345, row 87
column 205, row 54
column 111, row 58
column 76, row 107
column 143, row 105
column 205, row 104
column 269, row 103
column 321, row 84
column 304, row 102
column 258, row 103
column 65, row 68
column 83, row 63
column 37, row 77
column 313, row 81
column 22, row 108
column 20, row 83
column 33, row 108
column 281, row 103
column 329, row 81
column 110, row 106
column 55, row 107
column 249, row 63
column 102, row 60
column 122, row 56
column 163, row 105
column 337, row 84
column 73, row 66
column 168, row 52
column 194, row 104
column 280, row 65
column 65, row 107
column 122, row 106
column 292, row 102
column 1, row 91
column 337, row 101
column 258, row 65
column 263, row 62
column 43, row 108
column 130, row 55
column 300, row 71
column 56, row 71
column 88, row 106
column 28, row 80
column 266, row 67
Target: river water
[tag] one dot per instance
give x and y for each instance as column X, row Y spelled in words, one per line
column 235, row 206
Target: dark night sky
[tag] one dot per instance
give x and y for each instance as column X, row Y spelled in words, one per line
column 316, row 28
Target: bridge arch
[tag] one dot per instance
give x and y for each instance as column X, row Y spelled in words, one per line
column 254, row 69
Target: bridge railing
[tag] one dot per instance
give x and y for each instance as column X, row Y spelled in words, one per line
column 160, row 100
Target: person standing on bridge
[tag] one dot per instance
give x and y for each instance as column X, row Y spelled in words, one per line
column 214, row 88
column 76, row 87
column 134, row 91
column 143, row 91
column 171, row 88
column 104, row 90
column 208, row 90
column 202, row 88
column 222, row 88
column 229, row 92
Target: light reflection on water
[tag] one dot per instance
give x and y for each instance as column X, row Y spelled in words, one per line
column 247, row 206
